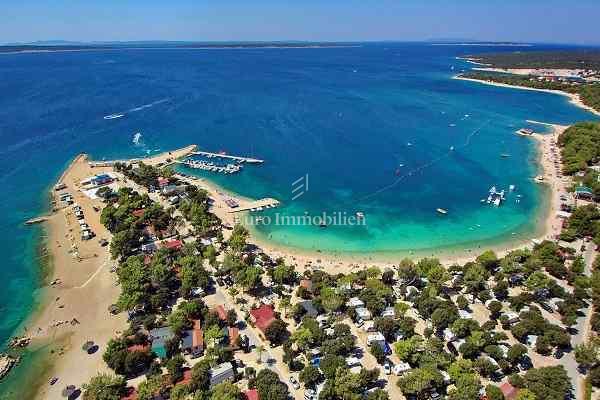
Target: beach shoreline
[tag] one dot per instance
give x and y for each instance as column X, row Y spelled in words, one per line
column 87, row 287
column 77, row 290
column 574, row 99
column 547, row 226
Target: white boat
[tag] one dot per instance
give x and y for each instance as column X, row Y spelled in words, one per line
column 497, row 201
column 114, row 116
column 360, row 215
column 451, row 148
column 442, row 211
column 511, row 188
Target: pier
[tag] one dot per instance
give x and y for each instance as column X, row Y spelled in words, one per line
column 257, row 205
column 37, row 220
column 236, row 158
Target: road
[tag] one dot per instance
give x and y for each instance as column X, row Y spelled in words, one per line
column 568, row 360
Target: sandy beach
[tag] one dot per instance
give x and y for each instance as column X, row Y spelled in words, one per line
column 574, row 99
column 81, row 286
column 344, row 262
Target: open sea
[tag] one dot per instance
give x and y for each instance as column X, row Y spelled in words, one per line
column 380, row 129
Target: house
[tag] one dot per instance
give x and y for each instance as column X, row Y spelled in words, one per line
column 389, row 312
column 363, row 313
column 306, row 284
column 175, row 244
column 149, row 247
column 401, row 368
column 513, row 317
column 262, row 316
column 531, row 340
column 464, row 314
column 159, row 336
column 233, row 334
column 103, row 179
column 138, row 213
column 509, row 391
column 355, row 302
column 221, row 373
column 376, row 338
column 311, row 311
column 251, row 394
column 138, row 347
column 449, row 336
column 221, row 312
column 162, row 182
column 193, row 341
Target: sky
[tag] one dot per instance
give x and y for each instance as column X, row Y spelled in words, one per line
column 548, row 21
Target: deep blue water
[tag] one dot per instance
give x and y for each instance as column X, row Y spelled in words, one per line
column 344, row 116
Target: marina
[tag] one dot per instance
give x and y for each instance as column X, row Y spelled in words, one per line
column 209, row 166
column 225, row 155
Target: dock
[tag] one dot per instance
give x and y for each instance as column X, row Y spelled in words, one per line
column 37, row 220
column 257, row 205
column 236, row 158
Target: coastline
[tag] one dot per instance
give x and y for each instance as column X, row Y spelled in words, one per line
column 75, row 293
column 87, row 287
column 546, row 226
column 574, row 99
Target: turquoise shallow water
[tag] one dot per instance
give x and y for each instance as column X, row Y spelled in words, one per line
column 342, row 116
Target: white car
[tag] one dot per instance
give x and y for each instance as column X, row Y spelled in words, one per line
column 294, row 383
column 387, row 368
column 360, row 323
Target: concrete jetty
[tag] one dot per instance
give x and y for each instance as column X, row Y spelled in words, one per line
column 236, row 158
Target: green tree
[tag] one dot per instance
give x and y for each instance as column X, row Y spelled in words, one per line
column 225, row 391
column 104, row 387
column 311, row 376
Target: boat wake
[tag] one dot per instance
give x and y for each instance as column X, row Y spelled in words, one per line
column 142, row 107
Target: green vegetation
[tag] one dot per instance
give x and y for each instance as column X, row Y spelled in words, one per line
column 588, row 92
column 572, row 59
column 104, row 387
column 580, row 147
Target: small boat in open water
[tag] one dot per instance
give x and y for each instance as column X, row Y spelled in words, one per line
column 442, row 211
column 114, row 116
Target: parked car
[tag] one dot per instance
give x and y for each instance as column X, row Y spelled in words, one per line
column 310, row 394
column 294, row 383
column 387, row 368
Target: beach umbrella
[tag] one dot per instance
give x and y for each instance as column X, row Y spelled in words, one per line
column 68, row 391
column 87, row 345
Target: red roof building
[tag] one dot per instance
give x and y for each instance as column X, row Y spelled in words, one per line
column 138, row 213
column 509, row 391
column 162, row 182
column 263, row 316
column 306, row 284
column 221, row 312
column 138, row 347
column 252, row 394
column 234, row 333
column 186, row 378
column 197, row 335
column 173, row 244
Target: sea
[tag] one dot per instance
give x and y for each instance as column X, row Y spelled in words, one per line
column 380, row 129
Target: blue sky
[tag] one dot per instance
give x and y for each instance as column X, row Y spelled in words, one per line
column 333, row 20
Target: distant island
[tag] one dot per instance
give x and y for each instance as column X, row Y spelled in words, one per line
column 54, row 46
